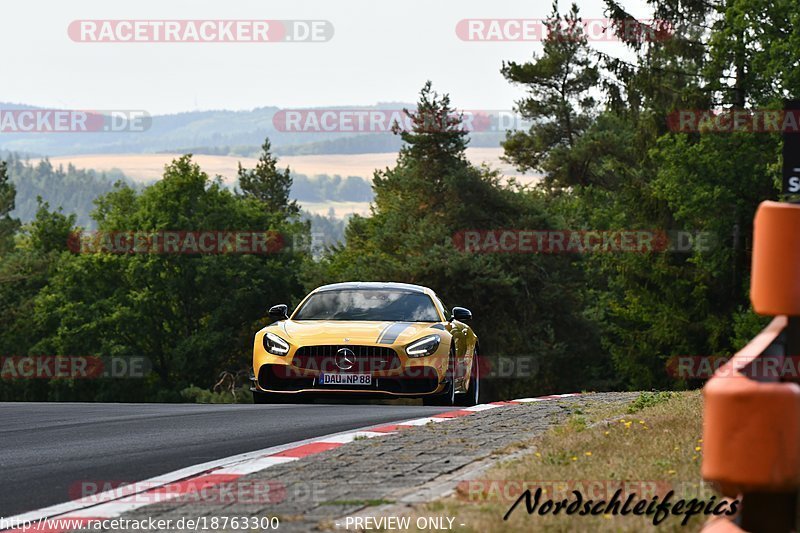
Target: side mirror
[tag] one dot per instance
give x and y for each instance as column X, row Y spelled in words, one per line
column 462, row 314
column 279, row 312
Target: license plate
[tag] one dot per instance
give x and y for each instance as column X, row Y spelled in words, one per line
column 345, row 379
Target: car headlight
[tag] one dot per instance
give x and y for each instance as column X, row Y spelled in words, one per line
column 275, row 345
column 424, row 346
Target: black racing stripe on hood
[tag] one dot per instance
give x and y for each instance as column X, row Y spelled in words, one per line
column 382, row 333
column 392, row 332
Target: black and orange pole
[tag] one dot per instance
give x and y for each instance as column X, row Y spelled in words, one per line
column 751, row 428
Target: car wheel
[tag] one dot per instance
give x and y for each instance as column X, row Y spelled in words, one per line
column 448, row 397
column 473, row 394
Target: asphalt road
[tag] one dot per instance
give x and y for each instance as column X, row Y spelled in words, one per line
column 47, row 447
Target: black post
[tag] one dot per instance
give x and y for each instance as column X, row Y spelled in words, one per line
column 778, row 511
column 791, row 150
column 774, row 512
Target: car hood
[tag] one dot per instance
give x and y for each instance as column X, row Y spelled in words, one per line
column 311, row 332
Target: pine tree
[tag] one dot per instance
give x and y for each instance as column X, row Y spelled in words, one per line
column 437, row 130
column 558, row 103
column 268, row 184
column 429, row 175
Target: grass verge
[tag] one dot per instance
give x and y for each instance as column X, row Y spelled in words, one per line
column 648, row 447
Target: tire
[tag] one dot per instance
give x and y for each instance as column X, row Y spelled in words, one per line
column 448, row 397
column 473, row 395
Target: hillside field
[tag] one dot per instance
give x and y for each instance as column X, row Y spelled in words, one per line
column 148, row 167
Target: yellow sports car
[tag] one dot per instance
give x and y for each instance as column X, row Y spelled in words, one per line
column 369, row 339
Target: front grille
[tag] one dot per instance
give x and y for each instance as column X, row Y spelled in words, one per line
column 284, row 378
column 366, row 359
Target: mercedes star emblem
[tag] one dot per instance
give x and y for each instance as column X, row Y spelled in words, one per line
column 345, row 358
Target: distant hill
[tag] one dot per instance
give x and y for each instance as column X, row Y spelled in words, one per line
column 221, row 132
column 371, row 144
column 176, row 133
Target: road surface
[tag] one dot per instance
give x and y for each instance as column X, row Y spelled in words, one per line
column 47, row 448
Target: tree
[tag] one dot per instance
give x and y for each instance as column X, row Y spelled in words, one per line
column 72, row 190
column 24, row 273
column 190, row 315
column 8, row 225
column 50, row 230
column 653, row 306
column 623, row 168
column 559, row 105
column 524, row 304
column 268, row 184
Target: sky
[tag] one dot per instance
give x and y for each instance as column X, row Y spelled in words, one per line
column 379, row 52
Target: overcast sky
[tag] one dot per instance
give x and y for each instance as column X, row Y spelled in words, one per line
column 381, row 52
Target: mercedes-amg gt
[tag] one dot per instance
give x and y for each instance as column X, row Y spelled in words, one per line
column 368, row 339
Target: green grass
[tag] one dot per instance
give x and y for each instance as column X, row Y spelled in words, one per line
column 649, row 399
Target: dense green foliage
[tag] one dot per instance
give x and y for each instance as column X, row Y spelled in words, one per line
column 72, row 189
column 190, row 315
column 8, row 225
column 599, row 135
column 74, row 192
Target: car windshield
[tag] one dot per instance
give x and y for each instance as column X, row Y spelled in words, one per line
column 359, row 304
